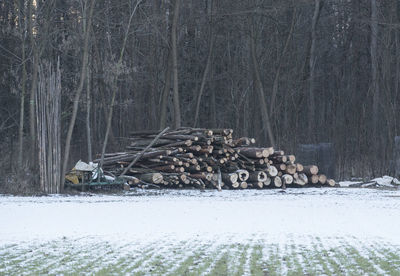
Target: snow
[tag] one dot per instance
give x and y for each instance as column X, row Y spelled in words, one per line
column 227, row 216
column 384, row 181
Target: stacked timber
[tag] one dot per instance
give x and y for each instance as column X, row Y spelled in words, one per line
column 207, row 158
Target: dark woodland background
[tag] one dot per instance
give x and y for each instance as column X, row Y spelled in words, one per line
column 284, row 72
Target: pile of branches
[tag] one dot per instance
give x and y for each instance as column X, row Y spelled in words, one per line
column 207, row 158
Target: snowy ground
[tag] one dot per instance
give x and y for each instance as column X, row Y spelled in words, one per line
column 300, row 231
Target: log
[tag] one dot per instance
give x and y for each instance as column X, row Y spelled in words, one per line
column 272, row 171
column 243, row 185
column 279, row 159
column 267, row 182
column 287, row 179
column 167, row 168
column 199, row 175
column 299, row 167
column 322, row 179
column 278, row 153
column 254, row 152
column 331, row 182
column 243, row 141
column 154, row 178
column 235, row 185
column 257, row 184
column 230, row 177
column 131, row 179
column 257, row 176
column 313, row 179
column 310, row 170
column 291, row 158
column 290, row 169
column 301, row 179
column 280, row 167
column 277, row 181
column 243, row 175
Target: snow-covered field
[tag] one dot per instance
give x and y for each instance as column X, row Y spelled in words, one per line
column 300, row 231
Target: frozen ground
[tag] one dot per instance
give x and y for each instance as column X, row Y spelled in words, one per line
column 300, row 231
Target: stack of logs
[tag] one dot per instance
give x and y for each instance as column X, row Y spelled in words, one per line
column 208, row 158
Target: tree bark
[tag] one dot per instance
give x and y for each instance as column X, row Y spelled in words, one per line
column 164, row 100
column 278, row 69
column 32, row 94
column 206, row 69
column 174, row 41
column 22, row 25
column 312, row 61
column 259, row 87
column 374, row 66
column 88, row 108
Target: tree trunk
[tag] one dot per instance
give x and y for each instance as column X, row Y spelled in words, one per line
column 257, row 79
column 374, row 66
column 22, row 25
column 174, row 41
column 206, row 70
column 165, row 94
column 88, row 108
column 78, row 93
column 278, row 69
column 110, row 114
column 312, row 61
column 32, row 94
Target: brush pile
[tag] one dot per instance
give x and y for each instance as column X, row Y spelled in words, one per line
column 208, row 159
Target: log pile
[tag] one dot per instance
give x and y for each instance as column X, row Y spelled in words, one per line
column 208, row 159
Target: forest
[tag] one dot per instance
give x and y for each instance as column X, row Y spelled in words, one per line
column 78, row 76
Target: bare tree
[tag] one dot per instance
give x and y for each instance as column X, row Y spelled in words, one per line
column 78, row 91
column 119, row 64
column 266, row 124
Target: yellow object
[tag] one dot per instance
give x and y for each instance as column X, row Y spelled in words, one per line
column 73, row 178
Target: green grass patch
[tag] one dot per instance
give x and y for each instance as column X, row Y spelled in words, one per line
column 197, row 257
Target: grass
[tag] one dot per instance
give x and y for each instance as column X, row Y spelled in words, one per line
column 194, row 257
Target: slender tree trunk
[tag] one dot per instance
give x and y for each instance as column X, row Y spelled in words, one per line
column 208, row 63
column 88, row 108
column 22, row 25
column 259, row 87
column 32, row 94
column 88, row 101
column 32, row 101
column 165, row 94
column 312, row 61
column 174, row 48
column 78, row 93
column 278, row 69
column 374, row 65
column 110, row 114
column 203, row 80
column 213, row 108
